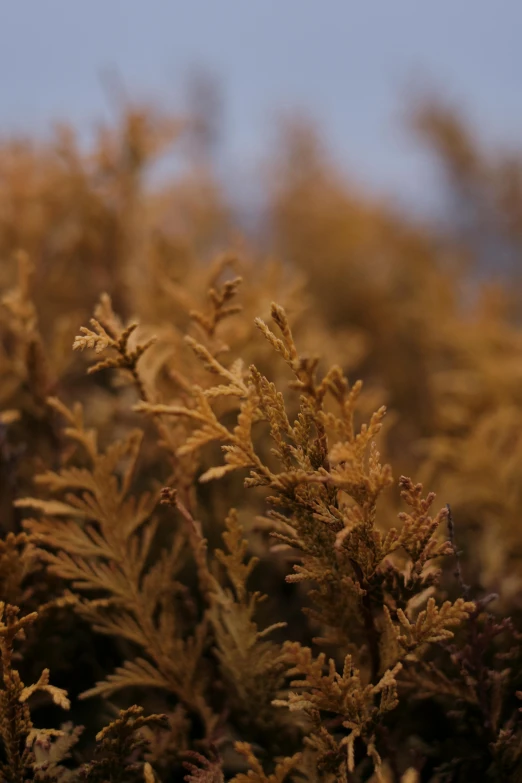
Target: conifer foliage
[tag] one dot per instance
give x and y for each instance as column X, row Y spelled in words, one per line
column 211, row 563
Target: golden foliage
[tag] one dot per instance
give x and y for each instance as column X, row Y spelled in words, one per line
column 16, row 727
column 304, row 656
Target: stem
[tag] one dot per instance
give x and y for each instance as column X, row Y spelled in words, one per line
column 465, row 589
column 372, row 634
column 183, row 486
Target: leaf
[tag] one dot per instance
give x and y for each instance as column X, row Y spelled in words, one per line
column 137, row 673
column 51, row 507
column 58, row 695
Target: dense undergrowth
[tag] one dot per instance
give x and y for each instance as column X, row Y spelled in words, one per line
column 213, row 565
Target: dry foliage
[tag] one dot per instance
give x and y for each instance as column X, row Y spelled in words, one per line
column 205, row 519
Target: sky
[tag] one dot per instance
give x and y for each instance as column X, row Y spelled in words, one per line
column 352, row 65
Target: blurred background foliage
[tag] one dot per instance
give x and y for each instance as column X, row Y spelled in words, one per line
column 426, row 312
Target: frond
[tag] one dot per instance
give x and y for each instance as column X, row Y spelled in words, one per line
column 138, row 673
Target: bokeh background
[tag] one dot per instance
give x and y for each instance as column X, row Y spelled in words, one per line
column 355, row 68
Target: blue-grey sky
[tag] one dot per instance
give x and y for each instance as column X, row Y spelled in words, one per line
column 347, row 63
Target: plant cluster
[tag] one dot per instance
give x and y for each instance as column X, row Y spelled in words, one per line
column 206, row 557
